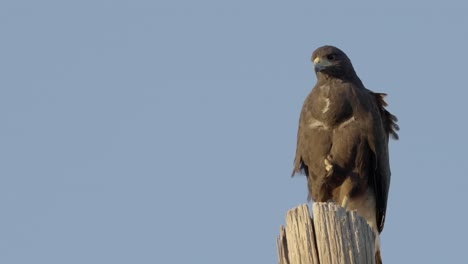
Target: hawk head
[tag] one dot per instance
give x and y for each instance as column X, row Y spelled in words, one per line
column 330, row 61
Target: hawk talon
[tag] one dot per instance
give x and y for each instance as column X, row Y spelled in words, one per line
column 328, row 165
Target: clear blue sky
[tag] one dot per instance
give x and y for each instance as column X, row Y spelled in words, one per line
column 165, row 131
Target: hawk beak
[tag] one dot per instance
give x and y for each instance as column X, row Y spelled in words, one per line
column 320, row 65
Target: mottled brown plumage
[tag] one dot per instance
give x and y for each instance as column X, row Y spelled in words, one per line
column 342, row 141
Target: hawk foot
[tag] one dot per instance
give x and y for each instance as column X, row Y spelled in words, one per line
column 328, row 165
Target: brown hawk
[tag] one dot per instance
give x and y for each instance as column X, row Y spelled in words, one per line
column 342, row 141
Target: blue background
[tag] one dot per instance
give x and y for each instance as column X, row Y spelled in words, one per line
column 165, row 131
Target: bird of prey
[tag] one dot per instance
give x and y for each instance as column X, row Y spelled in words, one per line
column 342, row 141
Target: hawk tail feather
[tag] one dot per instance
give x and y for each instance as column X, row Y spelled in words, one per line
column 389, row 120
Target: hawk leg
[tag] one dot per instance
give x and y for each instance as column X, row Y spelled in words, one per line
column 349, row 188
column 345, row 201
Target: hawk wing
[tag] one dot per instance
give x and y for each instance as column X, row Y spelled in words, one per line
column 313, row 144
column 378, row 143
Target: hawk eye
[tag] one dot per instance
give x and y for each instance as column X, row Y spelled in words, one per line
column 331, row 57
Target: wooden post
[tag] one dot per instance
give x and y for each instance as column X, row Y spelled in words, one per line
column 333, row 236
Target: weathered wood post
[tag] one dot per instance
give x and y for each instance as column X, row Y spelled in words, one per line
column 333, row 236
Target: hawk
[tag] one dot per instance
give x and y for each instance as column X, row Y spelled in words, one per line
column 342, row 140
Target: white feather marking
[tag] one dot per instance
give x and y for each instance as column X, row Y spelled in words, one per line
column 327, row 105
column 325, row 92
column 347, row 122
column 317, row 124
